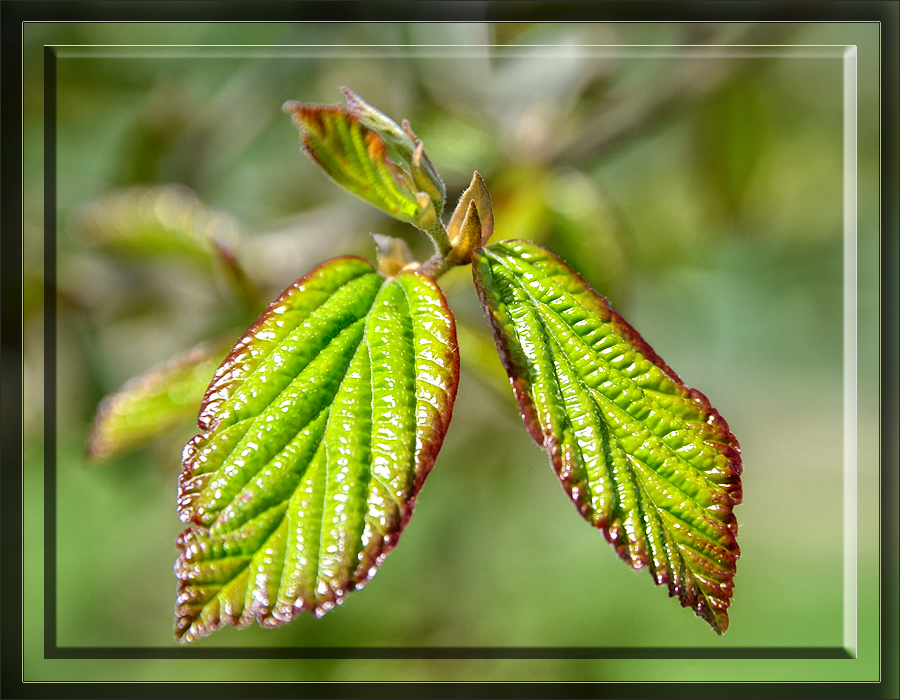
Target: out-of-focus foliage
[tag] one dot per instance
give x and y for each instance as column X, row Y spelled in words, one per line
column 149, row 405
column 702, row 195
column 146, row 222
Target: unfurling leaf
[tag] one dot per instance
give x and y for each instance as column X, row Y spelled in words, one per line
column 354, row 145
column 407, row 145
column 318, row 432
column 643, row 457
column 156, row 401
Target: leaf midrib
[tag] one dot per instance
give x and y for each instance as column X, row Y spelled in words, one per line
column 698, row 580
column 514, row 275
column 254, row 420
column 635, row 424
column 577, row 299
column 299, row 476
column 562, row 357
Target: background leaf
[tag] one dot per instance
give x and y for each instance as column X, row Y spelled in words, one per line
column 152, row 403
column 167, row 222
column 319, row 430
column 148, row 221
column 643, row 458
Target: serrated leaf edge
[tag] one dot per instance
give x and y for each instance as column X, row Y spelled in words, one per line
column 717, row 619
column 428, row 444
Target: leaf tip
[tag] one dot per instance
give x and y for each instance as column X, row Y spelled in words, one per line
column 355, row 104
column 290, row 106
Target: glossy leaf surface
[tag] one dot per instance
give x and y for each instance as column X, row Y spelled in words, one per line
column 643, row 457
column 319, row 430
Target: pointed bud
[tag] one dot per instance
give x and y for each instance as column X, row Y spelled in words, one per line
column 478, row 195
column 468, row 238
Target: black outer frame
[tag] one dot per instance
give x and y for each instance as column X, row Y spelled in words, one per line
column 13, row 13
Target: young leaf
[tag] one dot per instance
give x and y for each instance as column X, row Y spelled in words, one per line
column 153, row 402
column 351, row 146
column 643, row 457
column 407, row 145
column 319, row 430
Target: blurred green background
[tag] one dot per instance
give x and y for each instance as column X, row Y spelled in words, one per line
column 700, row 190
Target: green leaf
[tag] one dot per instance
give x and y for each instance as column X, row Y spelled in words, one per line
column 406, row 145
column 158, row 400
column 319, row 430
column 354, row 145
column 644, row 458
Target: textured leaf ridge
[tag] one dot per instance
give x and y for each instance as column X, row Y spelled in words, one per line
column 319, row 430
column 643, row 457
